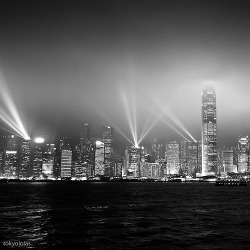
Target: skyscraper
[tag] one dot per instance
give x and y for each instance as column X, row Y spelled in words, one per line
column 132, row 162
column 99, row 159
column 37, row 157
column 108, row 140
column 192, row 158
column 243, row 154
column 209, row 132
column 66, row 163
column 11, row 167
column 25, row 170
column 173, row 152
column 49, row 152
column 227, row 161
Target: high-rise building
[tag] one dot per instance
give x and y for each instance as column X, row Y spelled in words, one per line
column 25, row 170
column 66, row 163
column 173, row 165
column 154, row 150
column 192, row 158
column 3, row 141
column 37, row 157
column 11, row 166
column 227, row 161
column 243, row 154
column 132, row 162
column 108, row 140
column 183, row 157
column 150, row 170
column 209, row 132
column 99, row 159
column 49, row 152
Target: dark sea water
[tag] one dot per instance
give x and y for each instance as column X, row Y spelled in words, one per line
column 125, row 216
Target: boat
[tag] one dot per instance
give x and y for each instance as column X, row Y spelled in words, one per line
column 230, row 182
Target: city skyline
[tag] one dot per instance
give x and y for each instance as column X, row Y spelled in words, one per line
column 65, row 63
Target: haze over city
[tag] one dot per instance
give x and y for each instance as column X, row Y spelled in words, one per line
column 65, row 62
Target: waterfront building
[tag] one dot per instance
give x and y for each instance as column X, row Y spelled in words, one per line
column 150, row 170
column 11, row 164
column 37, row 157
column 183, row 157
column 49, row 152
column 209, row 132
column 243, row 154
column 66, row 163
column 25, row 170
column 192, row 158
column 108, row 140
column 132, row 162
column 227, row 161
column 99, row 158
column 199, row 164
column 173, row 166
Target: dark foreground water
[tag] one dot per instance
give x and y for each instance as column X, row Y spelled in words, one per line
column 124, row 216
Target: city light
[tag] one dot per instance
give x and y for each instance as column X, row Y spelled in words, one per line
column 39, row 140
column 99, row 143
column 11, row 116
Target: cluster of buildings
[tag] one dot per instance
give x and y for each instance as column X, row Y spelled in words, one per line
column 44, row 157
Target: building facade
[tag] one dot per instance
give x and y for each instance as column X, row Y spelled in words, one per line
column 243, row 154
column 108, row 140
column 209, row 132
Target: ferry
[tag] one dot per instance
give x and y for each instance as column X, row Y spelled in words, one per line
column 230, row 182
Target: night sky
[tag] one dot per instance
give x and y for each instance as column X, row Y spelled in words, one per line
column 65, row 62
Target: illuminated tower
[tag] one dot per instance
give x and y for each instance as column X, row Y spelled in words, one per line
column 11, row 166
column 66, row 163
column 3, row 142
column 132, row 161
column 25, row 159
column 192, row 158
column 243, row 154
column 183, row 157
column 227, row 161
column 173, row 158
column 209, row 132
column 108, row 140
column 37, row 157
column 99, row 159
column 49, row 152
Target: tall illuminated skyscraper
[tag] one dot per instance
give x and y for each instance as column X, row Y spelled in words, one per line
column 49, row 152
column 66, row 163
column 243, row 154
column 37, row 157
column 108, row 140
column 132, row 162
column 209, row 132
column 25, row 170
column 99, row 159
column 11, row 168
column 173, row 152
